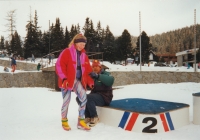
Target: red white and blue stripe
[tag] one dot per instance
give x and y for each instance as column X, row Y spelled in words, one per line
column 167, row 121
column 128, row 120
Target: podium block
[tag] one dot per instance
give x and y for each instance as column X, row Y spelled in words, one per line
column 196, row 108
column 144, row 115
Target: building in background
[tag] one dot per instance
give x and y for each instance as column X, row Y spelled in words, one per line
column 186, row 57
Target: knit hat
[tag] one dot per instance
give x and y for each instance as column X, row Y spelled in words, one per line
column 96, row 63
column 80, row 38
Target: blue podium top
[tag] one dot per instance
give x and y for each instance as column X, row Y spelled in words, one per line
column 145, row 106
column 196, row 94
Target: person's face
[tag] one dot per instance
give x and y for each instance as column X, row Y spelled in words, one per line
column 96, row 69
column 80, row 46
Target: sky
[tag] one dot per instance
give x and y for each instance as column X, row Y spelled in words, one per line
column 157, row 16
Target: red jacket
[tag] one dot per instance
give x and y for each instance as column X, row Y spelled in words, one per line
column 66, row 66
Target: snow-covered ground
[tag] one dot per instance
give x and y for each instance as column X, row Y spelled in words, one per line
column 44, row 62
column 114, row 67
column 134, row 67
column 34, row 113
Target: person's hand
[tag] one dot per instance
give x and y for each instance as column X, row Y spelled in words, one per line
column 91, row 87
column 65, row 84
column 94, row 75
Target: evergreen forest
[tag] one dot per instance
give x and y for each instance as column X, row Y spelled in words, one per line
column 99, row 41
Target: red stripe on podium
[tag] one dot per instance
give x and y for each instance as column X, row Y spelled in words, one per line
column 162, row 116
column 131, row 121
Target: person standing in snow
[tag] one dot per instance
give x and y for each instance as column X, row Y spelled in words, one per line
column 49, row 58
column 100, row 95
column 13, row 64
column 188, row 65
column 33, row 58
column 73, row 69
column 38, row 66
column 136, row 58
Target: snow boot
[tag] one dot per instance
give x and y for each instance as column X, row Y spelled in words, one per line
column 65, row 124
column 87, row 120
column 82, row 125
column 94, row 121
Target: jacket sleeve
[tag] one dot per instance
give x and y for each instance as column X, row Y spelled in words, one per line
column 90, row 81
column 106, row 79
column 61, row 64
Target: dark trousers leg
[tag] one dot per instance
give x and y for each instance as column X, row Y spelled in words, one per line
column 93, row 100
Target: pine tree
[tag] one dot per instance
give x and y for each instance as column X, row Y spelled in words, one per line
column 67, row 37
column 177, row 40
column 45, row 43
column 29, row 40
column 86, row 27
column 2, row 46
column 89, row 33
column 118, row 53
column 73, row 32
column 78, row 29
column 109, row 46
column 86, row 30
column 7, row 45
column 92, row 38
column 190, row 44
column 98, row 40
column 17, row 48
column 124, row 46
column 57, row 37
column 32, row 41
column 11, row 49
column 38, row 36
column 146, row 46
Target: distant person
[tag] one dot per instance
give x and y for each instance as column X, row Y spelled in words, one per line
column 6, row 69
column 73, row 69
column 33, row 58
column 52, row 56
column 38, row 66
column 13, row 64
column 136, row 58
column 49, row 59
column 188, row 65
column 148, row 64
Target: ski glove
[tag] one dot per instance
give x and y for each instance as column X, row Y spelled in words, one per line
column 94, row 75
column 91, row 87
column 65, row 84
